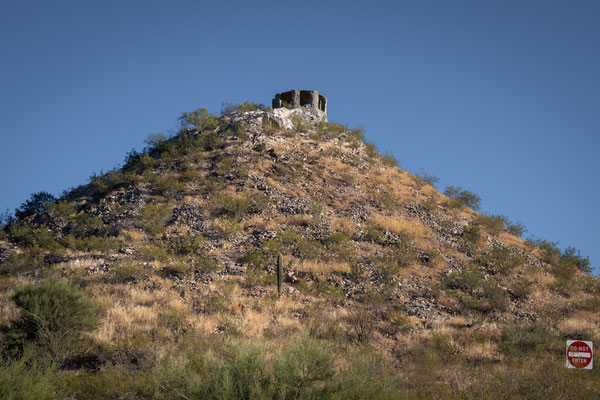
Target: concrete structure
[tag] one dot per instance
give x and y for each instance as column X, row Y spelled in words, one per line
column 298, row 98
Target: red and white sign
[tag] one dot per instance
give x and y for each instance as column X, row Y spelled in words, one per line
column 580, row 354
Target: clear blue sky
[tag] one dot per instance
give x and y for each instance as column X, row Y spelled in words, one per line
column 500, row 97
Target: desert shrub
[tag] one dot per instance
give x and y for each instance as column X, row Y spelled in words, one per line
column 164, row 183
column 255, row 259
column 367, row 377
column 90, row 243
column 29, row 235
column 53, row 315
column 466, row 280
column 356, row 135
column 471, row 235
column 514, row 228
column 390, row 160
column 36, row 203
column 327, row 130
column 573, row 256
column 144, row 163
column 305, row 371
column 188, row 244
column 239, row 207
column 6, row 219
column 24, row 379
column 154, row 253
column 128, row 271
column 423, row 178
column 493, row 223
column 84, row 224
column 362, row 320
column 209, row 141
column 340, row 245
column 500, row 259
column 269, row 126
column 177, row 269
column 527, row 338
column 154, row 218
column 371, row 150
column 61, row 209
column 107, row 182
column 206, row 264
column 522, row 289
column 298, row 124
column 564, row 273
column 27, row 261
column 463, row 196
column 550, row 250
column 200, row 118
column 246, row 106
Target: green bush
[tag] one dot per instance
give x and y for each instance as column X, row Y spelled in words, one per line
column 423, row 178
column 84, row 224
column 53, row 315
column 246, row 106
column 239, row 207
column 206, row 264
column 188, row 244
column 200, row 118
column 28, row 235
column 390, row 160
column 471, row 235
column 573, row 256
column 23, row 379
column 305, row 371
column 255, row 259
column 327, row 131
column 107, row 182
column 155, row 217
column 493, row 223
column 518, row 340
column 128, row 271
column 37, row 203
column 463, row 196
column 500, row 259
column 90, row 243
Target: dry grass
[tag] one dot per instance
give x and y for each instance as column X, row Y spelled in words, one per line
column 575, row 327
column 412, row 227
column 297, row 220
column 345, row 225
column 320, row 269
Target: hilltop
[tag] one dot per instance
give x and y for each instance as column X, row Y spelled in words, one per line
column 391, row 289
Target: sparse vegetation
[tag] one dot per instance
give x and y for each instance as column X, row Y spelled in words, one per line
column 463, row 196
column 200, row 118
column 380, row 299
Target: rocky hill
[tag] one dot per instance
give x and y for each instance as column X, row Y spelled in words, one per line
column 391, row 289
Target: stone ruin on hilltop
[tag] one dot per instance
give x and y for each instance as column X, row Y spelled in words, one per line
column 299, row 98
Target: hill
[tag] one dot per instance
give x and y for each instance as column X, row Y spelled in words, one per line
column 391, row 289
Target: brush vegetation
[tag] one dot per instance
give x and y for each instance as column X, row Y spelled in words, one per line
column 158, row 280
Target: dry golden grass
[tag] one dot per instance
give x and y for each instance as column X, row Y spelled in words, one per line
column 298, row 220
column 345, row 225
column 132, row 236
column 579, row 327
column 412, row 227
column 320, row 268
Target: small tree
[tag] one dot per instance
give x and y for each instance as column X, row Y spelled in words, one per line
column 36, row 203
column 200, row 118
column 53, row 316
column 466, row 197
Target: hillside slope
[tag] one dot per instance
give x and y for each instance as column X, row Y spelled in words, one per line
column 178, row 251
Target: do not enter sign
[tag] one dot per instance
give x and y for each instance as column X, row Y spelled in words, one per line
column 580, row 354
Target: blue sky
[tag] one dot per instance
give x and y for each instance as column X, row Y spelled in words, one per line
column 499, row 97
